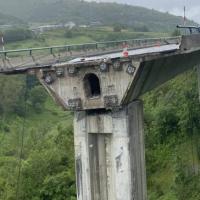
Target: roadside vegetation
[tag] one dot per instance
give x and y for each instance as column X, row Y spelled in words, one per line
column 24, row 38
column 36, row 136
column 89, row 13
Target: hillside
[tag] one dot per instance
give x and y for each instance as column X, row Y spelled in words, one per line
column 53, row 11
column 172, row 130
column 9, row 20
column 36, row 135
column 172, row 127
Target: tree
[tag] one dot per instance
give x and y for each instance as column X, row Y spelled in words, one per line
column 17, row 34
column 117, row 28
column 176, row 32
column 142, row 28
column 37, row 97
column 68, row 33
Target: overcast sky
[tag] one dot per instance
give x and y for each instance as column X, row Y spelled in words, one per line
column 172, row 6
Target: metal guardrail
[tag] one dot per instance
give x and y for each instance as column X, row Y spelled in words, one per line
column 10, row 59
column 97, row 45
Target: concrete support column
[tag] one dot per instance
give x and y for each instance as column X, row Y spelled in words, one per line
column 109, row 148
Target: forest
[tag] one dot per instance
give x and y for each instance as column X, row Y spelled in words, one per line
column 85, row 13
column 36, row 139
column 36, row 135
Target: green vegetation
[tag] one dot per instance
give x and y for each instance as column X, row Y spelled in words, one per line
column 78, row 36
column 47, row 168
column 172, row 114
column 81, row 12
column 172, row 127
column 17, row 34
column 176, row 33
column 30, row 120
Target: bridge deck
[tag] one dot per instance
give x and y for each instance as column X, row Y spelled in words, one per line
column 156, row 62
column 18, row 61
column 133, row 52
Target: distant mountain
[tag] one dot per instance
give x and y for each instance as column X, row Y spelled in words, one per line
column 80, row 12
column 9, row 20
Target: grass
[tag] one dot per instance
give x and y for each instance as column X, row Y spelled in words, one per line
column 49, row 41
column 81, row 35
column 53, row 115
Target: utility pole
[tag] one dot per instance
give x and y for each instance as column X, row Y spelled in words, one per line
column 184, row 20
column 2, row 42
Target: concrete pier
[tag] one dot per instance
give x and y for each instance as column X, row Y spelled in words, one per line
column 109, row 140
column 109, row 147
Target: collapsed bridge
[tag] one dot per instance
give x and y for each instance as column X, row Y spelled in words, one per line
column 102, row 84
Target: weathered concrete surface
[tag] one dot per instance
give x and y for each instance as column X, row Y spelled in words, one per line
column 109, row 140
column 110, row 161
column 153, row 66
column 137, row 150
column 155, row 72
column 20, row 60
column 113, row 82
column 134, row 52
column 190, row 42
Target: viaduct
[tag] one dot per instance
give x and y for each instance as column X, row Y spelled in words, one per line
column 103, row 85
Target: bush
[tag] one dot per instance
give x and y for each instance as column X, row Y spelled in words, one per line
column 167, row 123
column 141, row 29
column 12, row 93
column 37, row 97
column 15, row 35
column 117, row 28
column 68, row 33
column 176, row 33
column 74, row 32
column 60, row 186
